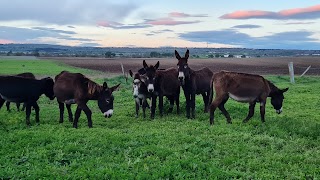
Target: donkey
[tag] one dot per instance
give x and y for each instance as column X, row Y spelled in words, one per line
column 244, row 88
column 162, row 83
column 24, row 90
column 140, row 93
column 25, row 75
column 75, row 88
column 194, row 82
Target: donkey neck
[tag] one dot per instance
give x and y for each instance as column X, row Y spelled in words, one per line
column 94, row 90
column 272, row 87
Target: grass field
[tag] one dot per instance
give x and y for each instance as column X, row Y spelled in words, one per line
column 287, row 146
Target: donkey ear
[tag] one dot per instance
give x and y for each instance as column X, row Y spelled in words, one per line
column 145, row 65
column 157, row 65
column 130, row 72
column 187, row 54
column 284, row 90
column 105, row 85
column 115, row 88
column 177, row 54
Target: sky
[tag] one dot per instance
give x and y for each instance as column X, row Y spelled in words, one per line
column 262, row 24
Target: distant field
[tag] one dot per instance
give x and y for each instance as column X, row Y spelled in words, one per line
column 287, row 146
column 263, row 66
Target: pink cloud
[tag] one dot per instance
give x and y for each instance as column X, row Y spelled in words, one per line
column 247, row 14
column 168, row 22
column 312, row 12
column 178, row 14
column 108, row 24
column 183, row 15
column 292, row 12
column 5, row 41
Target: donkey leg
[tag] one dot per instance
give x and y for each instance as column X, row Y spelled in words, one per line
column 153, row 106
column 178, row 103
column 213, row 107
column 144, row 106
column 205, row 101
column 18, row 106
column 1, row 102
column 187, row 96
column 61, row 108
column 37, row 110
column 88, row 112
column 28, row 112
column 76, row 117
column 193, row 105
column 251, row 111
column 161, row 105
column 171, row 104
column 224, row 111
column 137, row 107
column 69, row 112
column 262, row 110
column 8, row 106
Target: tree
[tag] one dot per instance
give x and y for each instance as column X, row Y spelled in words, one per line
column 109, row 54
column 154, row 54
column 9, row 53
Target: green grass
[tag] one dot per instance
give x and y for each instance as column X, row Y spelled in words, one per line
column 38, row 67
column 287, row 146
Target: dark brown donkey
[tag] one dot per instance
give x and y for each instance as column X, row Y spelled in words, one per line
column 75, row 88
column 140, row 93
column 162, row 83
column 244, row 88
column 194, row 82
column 25, row 75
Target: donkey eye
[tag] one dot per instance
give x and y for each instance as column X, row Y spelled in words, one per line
column 107, row 101
column 185, row 66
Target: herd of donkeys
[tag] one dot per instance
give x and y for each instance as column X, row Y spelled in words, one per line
column 149, row 82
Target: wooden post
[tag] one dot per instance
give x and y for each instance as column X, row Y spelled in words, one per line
column 291, row 72
column 305, row 71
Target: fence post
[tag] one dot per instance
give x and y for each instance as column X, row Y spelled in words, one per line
column 291, row 72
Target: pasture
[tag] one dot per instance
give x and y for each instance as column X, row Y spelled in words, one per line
column 287, row 146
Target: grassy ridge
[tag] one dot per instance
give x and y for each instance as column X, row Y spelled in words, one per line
column 123, row 147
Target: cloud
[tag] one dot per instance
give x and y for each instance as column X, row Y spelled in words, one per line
column 312, row 12
column 283, row 40
column 66, row 12
column 246, row 26
column 90, row 45
column 183, row 15
column 297, row 23
column 54, row 30
column 116, row 25
column 167, row 22
column 23, row 35
column 161, row 31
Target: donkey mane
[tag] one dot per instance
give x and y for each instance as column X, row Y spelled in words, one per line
column 272, row 87
column 93, row 88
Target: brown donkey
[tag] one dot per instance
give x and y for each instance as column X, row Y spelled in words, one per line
column 194, row 82
column 162, row 83
column 244, row 88
column 75, row 88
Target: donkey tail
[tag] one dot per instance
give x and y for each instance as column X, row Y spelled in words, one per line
column 211, row 91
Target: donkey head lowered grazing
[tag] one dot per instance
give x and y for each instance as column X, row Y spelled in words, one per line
column 184, row 69
column 277, row 99
column 105, row 100
column 150, row 75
